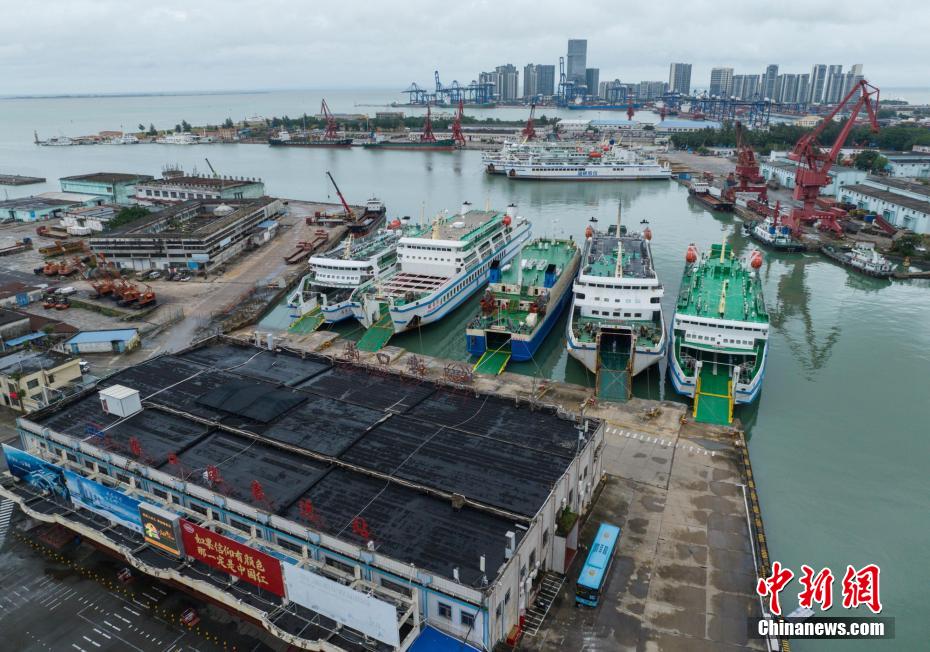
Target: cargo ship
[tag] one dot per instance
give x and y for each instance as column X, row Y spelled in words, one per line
column 719, row 334
column 709, row 196
column 285, row 139
column 770, row 234
column 438, row 268
column 616, row 328
column 371, row 219
column 324, row 295
column 522, row 303
column 862, row 258
column 426, row 141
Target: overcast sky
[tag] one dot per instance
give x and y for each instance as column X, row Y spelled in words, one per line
column 90, row 46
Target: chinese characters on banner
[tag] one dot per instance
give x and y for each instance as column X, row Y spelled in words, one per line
column 859, row 587
column 222, row 553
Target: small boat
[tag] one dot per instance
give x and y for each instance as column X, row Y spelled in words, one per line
column 775, row 236
column 862, row 258
column 522, row 303
column 746, row 229
column 593, row 219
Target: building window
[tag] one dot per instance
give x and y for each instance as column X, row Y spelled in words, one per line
column 88, row 465
column 445, row 611
column 161, row 493
column 467, row 619
column 32, row 384
column 397, row 588
column 545, row 538
column 533, row 558
column 507, row 597
column 290, row 545
column 240, row 525
column 200, row 509
column 345, row 568
column 122, row 477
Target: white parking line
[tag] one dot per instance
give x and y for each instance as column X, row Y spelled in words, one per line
column 75, row 645
column 91, row 641
column 103, row 634
column 121, row 618
column 107, row 622
column 132, row 611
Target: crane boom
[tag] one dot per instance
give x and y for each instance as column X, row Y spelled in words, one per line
column 210, row 165
column 345, row 205
column 331, row 126
column 529, row 131
column 813, row 169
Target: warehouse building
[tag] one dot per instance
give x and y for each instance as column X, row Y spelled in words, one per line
column 112, row 187
column 120, row 340
column 379, row 506
column 44, row 206
column 904, row 204
column 197, row 234
column 176, row 188
column 784, row 170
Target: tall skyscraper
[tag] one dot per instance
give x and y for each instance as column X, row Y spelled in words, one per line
column 508, row 79
column 530, row 80
column 834, row 85
column 591, row 78
column 804, row 88
column 545, row 80
column 577, row 60
column 721, row 82
column 852, row 78
column 818, row 81
column 679, row 78
column 769, row 80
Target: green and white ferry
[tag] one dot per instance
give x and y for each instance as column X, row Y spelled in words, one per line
column 720, row 332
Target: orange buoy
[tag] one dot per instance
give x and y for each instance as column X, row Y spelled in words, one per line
column 691, row 255
column 506, row 220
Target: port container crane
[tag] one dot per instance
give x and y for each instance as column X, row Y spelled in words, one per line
column 813, row 169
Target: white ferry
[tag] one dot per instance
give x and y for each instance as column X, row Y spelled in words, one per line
column 616, row 328
column 440, row 266
column 333, row 276
column 182, row 138
column 495, row 162
column 609, row 163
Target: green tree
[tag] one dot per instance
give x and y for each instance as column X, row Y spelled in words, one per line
column 152, row 131
column 906, row 245
column 229, row 123
column 185, row 125
column 870, row 160
column 177, row 128
column 127, row 215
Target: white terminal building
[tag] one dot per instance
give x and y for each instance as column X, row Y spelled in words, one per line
column 409, row 505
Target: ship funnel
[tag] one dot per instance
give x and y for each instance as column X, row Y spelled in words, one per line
column 466, row 206
column 511, row 210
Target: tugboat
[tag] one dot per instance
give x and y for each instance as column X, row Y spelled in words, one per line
column 720, row 332
column 522, row 303
column 703, row 192
column 862, row 258
column 769, row 234
column 616, row 328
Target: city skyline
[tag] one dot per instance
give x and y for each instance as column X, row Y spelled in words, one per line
column 52, row 52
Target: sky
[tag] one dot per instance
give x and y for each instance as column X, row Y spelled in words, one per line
column 117, row 46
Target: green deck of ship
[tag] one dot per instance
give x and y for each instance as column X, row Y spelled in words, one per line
column 712, row 279
column 308, row 323
column 713, row 398
column 709, row 353
column 375, row 338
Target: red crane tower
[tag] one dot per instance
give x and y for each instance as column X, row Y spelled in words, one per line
column 457, row 134
column 814, row 165
column 331, row 126
column 350, row 216
column 427, row 135
column 748, row 178
column 529, row 131
column 629, row 110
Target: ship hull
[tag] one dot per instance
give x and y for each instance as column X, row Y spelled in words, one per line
column 777, row 245
column 342, row 142
column 842, row 260
column 436, row 146
column 711, row 202
column 590, row 173
column 446, row 299
column 586, row 352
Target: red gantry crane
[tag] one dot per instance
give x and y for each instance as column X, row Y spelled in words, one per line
column 457, row 136
column 529, row 131
column 747, row 177
column 814, row 164
column 331, row 127
column 427, row 136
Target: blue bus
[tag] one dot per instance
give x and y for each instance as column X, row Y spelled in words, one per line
column 594, row 573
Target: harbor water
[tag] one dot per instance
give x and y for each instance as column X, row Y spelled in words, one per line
column 839, row 434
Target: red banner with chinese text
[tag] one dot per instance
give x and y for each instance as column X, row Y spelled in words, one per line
column 229, row 556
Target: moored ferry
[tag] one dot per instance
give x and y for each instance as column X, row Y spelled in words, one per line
column 439, row 267
column 770, row 234
column 324, row 295
column 616, row 328
column 719, row 334
column 606, row 163
column 522, row 303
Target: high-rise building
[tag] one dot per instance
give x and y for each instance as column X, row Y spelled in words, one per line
column 577, row 60
column 538, row 80
column 804, row 89
column 508, row 79
column 721, row 82
column 853, row 77
column 545, row 80
column 786, row 88
column 834, row 85
column 679, row 78
column 591, row 78
column 769, row 80
column 818, row 81
column 650, row 90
